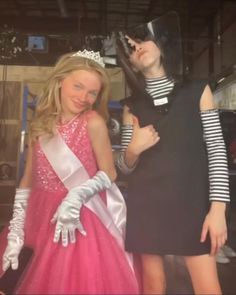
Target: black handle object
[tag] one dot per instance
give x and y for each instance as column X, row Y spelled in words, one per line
column 10, row 278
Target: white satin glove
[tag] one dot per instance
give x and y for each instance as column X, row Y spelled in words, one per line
column 67, row 216
column 11, row 254
column 16, row 234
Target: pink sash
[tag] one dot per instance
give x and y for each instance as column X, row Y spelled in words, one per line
column 72, row 173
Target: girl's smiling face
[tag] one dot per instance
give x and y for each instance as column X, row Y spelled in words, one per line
column 79, row 91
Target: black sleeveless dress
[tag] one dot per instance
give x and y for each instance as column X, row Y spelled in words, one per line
column 168, row 193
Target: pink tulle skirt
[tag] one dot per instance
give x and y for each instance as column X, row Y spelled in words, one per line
column 95, row 264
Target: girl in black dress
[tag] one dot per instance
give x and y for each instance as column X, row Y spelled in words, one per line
column 174, row 155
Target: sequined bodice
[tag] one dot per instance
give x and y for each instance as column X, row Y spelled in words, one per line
column 75, row 135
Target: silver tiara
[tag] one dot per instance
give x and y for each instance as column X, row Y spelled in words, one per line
column 90, row 54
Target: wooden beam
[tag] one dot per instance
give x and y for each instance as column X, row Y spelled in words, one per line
column 47, row 25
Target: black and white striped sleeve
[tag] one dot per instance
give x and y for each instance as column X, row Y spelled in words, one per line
column 126, row 136
column 217, row 157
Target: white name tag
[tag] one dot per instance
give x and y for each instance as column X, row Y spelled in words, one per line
column 160, row 101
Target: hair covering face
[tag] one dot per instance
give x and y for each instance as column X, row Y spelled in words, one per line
column 165, row 32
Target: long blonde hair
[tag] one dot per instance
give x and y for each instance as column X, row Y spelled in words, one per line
column 48, row 107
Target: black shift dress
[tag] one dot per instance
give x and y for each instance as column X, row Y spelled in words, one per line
column 168, row 193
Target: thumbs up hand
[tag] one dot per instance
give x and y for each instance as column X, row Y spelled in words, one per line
column 142, row 138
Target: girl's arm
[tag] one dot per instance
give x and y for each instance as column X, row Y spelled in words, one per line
column 215, row 222
column 16, row 233
column 101, row 144
column 26, row 180
column 130, row 154
column 217, row 156
column 67, row 216
column 141, row 139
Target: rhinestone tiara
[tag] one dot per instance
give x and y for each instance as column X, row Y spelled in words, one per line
column 90, row 54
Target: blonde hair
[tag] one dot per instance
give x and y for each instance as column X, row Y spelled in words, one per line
column 48, row 107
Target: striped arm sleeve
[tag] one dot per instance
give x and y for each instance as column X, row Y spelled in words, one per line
column 126, row 135
column 217, row 157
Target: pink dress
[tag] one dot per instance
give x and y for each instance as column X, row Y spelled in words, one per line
column 95, row 264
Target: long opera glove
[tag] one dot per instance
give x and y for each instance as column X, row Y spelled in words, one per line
column 16, row 234
column 67, row 216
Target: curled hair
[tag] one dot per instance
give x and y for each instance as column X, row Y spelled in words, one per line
column 48, row 107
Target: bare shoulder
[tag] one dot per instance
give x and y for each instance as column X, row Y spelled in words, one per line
column 98, row 133
column 207, row 100
column 96, row 122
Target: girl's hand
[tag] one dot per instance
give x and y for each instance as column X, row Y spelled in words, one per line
column 142, row 138
column 215, row 225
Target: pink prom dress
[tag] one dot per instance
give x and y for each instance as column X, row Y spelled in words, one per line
column 95, row 264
